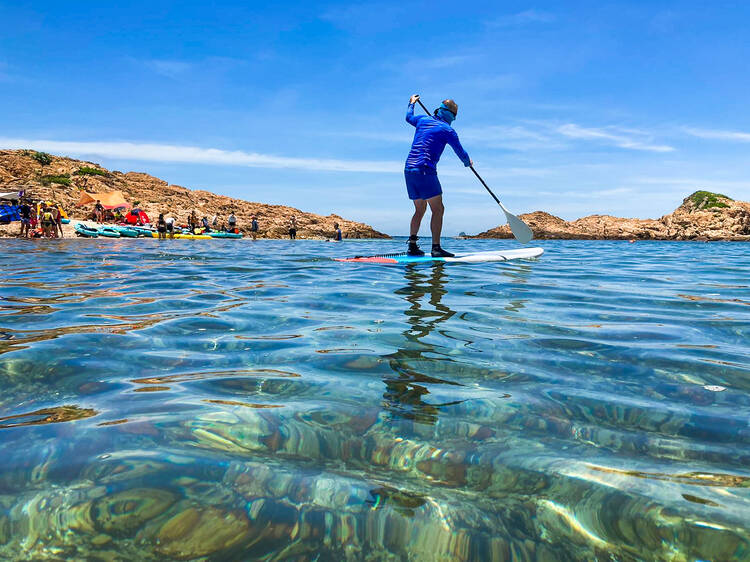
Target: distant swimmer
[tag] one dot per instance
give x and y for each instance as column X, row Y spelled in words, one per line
column 337, row 236
column 432, row 134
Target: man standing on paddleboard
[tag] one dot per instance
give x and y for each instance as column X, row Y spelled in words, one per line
column 432, row 134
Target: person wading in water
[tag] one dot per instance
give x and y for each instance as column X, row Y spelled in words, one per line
column 432, row 134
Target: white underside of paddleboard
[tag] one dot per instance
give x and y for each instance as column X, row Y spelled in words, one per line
column 474, row 257
column 501, row 255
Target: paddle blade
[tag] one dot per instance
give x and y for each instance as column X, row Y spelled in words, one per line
column 520, row 229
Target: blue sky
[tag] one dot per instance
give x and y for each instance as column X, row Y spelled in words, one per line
column 569, row 107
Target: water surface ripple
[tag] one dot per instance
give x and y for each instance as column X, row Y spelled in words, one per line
column 222, row 400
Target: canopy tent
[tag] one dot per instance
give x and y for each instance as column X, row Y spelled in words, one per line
column 9, row 213
column 136, row 216
column 10, row 196
column 109, row 199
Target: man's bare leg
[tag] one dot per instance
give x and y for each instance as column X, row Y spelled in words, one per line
column 420, row 206
column 436, row 222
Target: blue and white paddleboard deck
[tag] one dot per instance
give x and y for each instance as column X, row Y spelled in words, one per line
column 475, row 257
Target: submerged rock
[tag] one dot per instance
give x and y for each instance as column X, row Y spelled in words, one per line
column 202, row 531
column 124, row 512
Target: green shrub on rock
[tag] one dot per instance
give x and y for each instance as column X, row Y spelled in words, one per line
column 62, row 179
column 43, row 158
column 89, row 171
column 707, row 199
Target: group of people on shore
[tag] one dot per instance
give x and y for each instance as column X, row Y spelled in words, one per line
column 214, row 225
column 40, row 219
column 165, row 225
column 45, row 219
column 102, row 215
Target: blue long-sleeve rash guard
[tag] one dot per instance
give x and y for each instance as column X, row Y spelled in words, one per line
column 430, row 138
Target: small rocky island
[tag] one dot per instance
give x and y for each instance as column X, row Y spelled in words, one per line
column 60, row 179
column 702, row 216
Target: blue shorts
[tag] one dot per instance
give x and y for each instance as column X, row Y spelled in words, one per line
column 422, row 184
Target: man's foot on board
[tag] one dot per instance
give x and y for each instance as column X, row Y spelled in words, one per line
column 413, row 249
column 438, row 252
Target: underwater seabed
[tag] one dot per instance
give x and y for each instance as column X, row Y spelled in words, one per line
column 306, row 410
column 278, row 485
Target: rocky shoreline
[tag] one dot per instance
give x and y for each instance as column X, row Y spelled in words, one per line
column 59, row 179
column 702, row 216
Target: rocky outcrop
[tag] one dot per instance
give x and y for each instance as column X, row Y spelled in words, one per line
column 59, row 179
column 702, row 216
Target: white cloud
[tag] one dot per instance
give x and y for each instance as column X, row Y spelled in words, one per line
column 694, row 183
column 168, row 68
column 523, row 18
column 197, row 155
column 213, row 156
column 715, row 134
column 513, row 137
column 402, row 137
column 442, row 62
column 589, row 194
column 610, row 135
column 369, row 18
column 530, row 136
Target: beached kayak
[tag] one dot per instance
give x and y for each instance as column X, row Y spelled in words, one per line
column 126, row 231
column 224, row 235
column 108, row 231
column 86, row 231
column 185, row 236
column 476, row 257
column 141, row 230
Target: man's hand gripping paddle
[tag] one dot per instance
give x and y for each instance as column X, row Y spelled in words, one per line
column 520, row 229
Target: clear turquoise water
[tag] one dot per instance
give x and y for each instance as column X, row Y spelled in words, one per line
column 236, row 400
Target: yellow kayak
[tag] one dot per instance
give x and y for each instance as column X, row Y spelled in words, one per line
column 185, row 236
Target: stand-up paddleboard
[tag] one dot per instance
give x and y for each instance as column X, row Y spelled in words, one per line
column 476, row 257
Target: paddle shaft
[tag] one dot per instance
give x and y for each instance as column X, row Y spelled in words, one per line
column 486, row 186
column 427, row 111
column 472, row 166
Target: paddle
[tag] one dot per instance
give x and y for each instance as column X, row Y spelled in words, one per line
column 520, row 229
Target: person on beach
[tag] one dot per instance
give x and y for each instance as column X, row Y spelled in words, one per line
column 58, row 221
column 169, row 222
column 337, row 236
column 24, row 211
column 432, row 133
column 192, row 222
column 254, row 227
column 48, row 221
column 34, row 219
column 99, row 211
column 206, row 227
column 232, row 220
column 161, row 227
column 293, row 228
